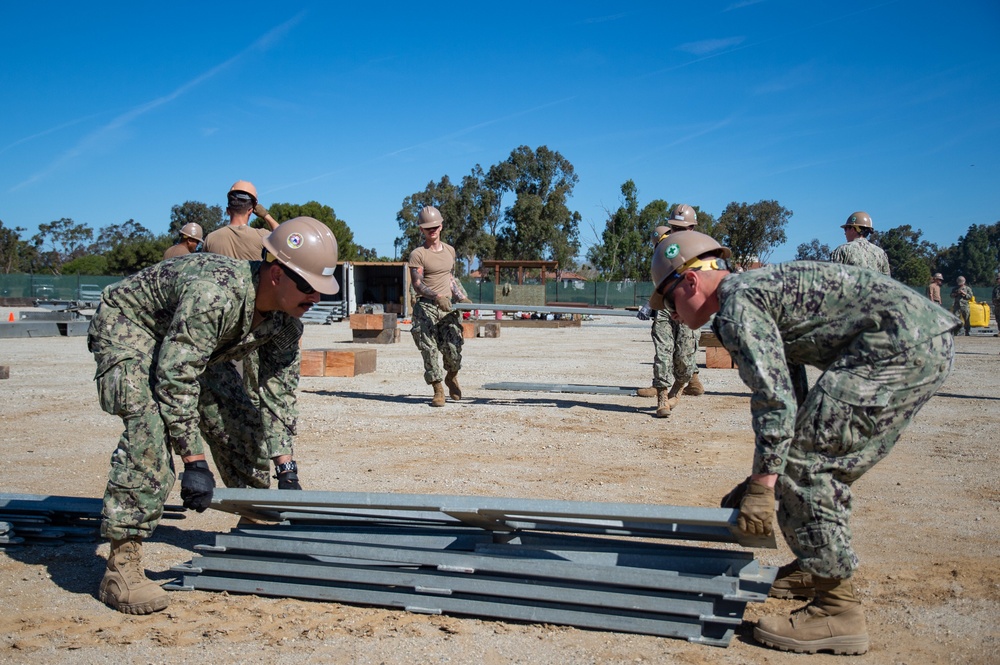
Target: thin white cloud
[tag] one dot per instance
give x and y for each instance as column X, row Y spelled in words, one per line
column 48, row 131
column 605, row 19
column 741, row 5
column 423, row 144
column 99, row 136
column 710, row 45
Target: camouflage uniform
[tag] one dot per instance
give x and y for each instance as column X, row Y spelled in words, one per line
column 437, row 333
column 860, row 252
column 961, row 295
column 883, row 350
column 164, row 341
column 674, row 351
column 996, row 304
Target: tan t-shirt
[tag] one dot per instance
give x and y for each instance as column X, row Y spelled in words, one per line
column 239, row 242
column 437, row 267
column 180, row 249
column 934, row 292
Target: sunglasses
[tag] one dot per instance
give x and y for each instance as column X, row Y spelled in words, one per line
column 300, row 283
column 668, row 292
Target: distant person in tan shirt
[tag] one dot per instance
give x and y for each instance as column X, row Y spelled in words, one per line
column 187, row 243
column 934, row 288
column 239, row 240
column 437, row 328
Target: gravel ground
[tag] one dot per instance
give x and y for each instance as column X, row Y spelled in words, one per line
column 926, row 519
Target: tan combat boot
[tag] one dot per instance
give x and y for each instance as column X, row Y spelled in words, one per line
column 662, row 403
column 674, row 395
column 454, row 390
column 438, row 399
column 125, row 586
column 792, row 582
column 646, row 392
column 694, row 387
column 833, row 621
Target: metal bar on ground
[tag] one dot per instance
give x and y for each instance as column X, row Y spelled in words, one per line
column 541, row 309
column 515, row 386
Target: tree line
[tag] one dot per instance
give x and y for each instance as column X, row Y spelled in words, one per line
column 517, row 209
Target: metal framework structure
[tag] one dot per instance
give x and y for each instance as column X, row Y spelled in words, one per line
column 541, row 309
column 592, row 565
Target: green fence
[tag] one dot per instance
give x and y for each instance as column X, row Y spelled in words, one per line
column 54, row 287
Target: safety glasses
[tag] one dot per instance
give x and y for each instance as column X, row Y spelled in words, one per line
column 300, row 283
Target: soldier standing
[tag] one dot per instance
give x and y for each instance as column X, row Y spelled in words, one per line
column 960, row 297
column 190, row 237
column 996, row 305
column 858, row 251
column 675, row 346
column 163, row 340
column 934, row 288
column 239, row 240
column 437, row 328
column 883, row 351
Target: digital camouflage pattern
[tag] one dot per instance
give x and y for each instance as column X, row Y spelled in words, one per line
column 165, row 340
column 883, row 350
column 437, row 334
column 860, row 252
column 996, row 301
column 960, row 298
column 674, row 351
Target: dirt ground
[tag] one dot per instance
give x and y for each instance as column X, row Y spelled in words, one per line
column 926, row 519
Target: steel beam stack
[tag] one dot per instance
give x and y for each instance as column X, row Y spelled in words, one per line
column 36, row 519
column 591, row 565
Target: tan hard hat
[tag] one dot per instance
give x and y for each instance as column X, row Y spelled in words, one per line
column 429, row 217
column 683, row 217
column 193, row 231
column 859, row 218
column 938, row 275
column 659, row 233
column 307, row 247
column 960, row 280
column 244, row 187
column 678, row 253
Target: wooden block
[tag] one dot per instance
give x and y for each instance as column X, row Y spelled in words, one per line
column 4, row 372
column 313, row 362
column 488, row 329
column 350, row 363
column 716, row 357
column 708, row 339
column 468, row 329
column 373, row 321
column 387, row 336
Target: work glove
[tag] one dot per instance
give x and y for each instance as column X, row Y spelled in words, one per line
column 260, row 210
column 465, row 300
column 444, row 303
column 644, row 313
column 197, row 483
column 757, row 510
column 735, row 496
column 288, row 476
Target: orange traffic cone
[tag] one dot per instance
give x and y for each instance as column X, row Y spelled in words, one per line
column 11, row 317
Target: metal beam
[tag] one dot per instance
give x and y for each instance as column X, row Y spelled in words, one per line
column 541, row 309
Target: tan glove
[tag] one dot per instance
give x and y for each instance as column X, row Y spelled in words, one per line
column 260, row 210
column 444, row 303
column 465, row 300
column 757, row 510
column 735, row 496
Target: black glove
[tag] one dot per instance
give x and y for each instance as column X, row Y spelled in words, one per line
column 735, row 496
column 197, row 483
column 644, row 313
column 288, row 476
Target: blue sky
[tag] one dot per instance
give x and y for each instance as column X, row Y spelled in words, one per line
column 115, row 111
